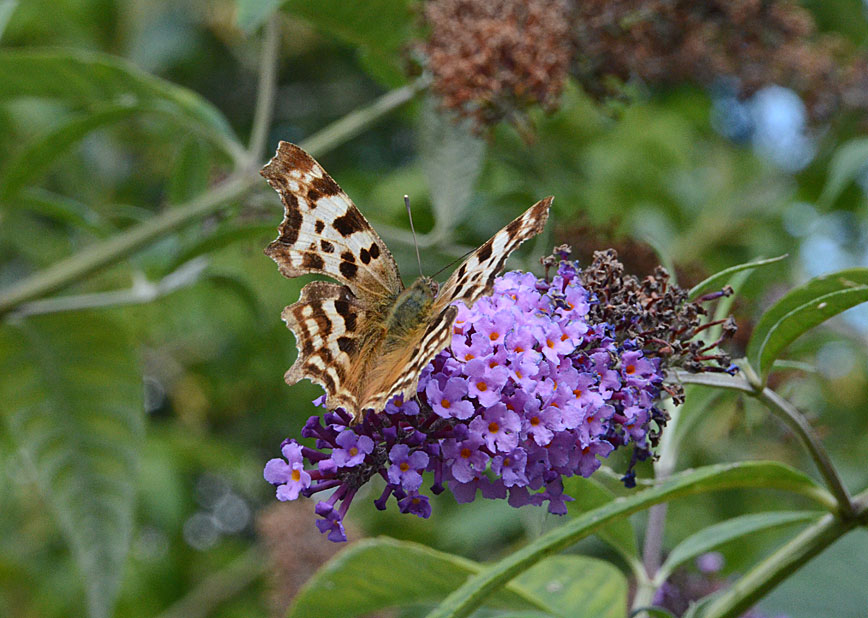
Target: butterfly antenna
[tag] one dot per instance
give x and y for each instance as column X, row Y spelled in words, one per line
column 412, row 229
column 452, row 263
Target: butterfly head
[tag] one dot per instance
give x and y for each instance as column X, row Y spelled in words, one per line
column 427, row 286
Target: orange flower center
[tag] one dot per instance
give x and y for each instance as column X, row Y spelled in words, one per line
column 404, row 466
column 493, row 427
column 631, row 369
column 494, row 336
column 296, row 475
column 465, row 453
column 481, row 386
column 445, row 403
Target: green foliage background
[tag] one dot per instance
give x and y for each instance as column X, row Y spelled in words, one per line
column 122, row 424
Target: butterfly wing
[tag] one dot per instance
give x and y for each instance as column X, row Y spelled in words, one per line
column 323, row 231
column 337, row 327
column 475, row 276
column 398, row 371
column 328, row 322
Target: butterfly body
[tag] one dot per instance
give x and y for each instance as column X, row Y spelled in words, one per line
column 411, row 308
column 366, row 339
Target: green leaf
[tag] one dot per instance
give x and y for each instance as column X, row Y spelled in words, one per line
column 7, row 7
column 653, row 611
column 718, row 280
column 38, row 156
column 72, row 399
column 241, row 289
column 251, row 14
column 375, row 574
column 761, row 475
column 847, row 164
column 452, row 158
column 63, row 210
column 577, row 587
column 222, row 238
column 831, row 584
column 190, row 172
column 801, row 309
column 717, row 535
column 90, row 79
column 379, row 28
column 588, row 494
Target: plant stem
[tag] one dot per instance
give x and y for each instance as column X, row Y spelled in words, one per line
column 142, row 291
column 796, row 421
column 109, row 251
column 356, row 121
column 652, row 549
column 793, row 419
column 770, row 572
column 97, row 256
column 265, row 92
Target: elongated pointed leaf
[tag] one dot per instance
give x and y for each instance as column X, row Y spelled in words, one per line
column 223, row 237
column 718, row 280
column 72, row 399
column 587, row 495
column 847, row 164
column 803, row 308
column 30, row 163
column 64, row 210
column 380, row 29
column 190, row 172
column 7, row 7
column 90, row 79
column 375, row 574
column 577, row 587
column 712, row 537
column 765, row 475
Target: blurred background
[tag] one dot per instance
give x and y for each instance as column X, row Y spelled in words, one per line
column 141, row 395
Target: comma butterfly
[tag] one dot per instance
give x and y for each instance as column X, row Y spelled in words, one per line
column 367, row 338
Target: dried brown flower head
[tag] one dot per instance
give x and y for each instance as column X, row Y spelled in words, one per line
column 492, row 59
column 758, row 42
column 656, row 315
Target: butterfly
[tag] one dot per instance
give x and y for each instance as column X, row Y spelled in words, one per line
column 367, row 338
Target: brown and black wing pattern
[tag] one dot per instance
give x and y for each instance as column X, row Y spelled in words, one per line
column 475, row 277
column 323, row 231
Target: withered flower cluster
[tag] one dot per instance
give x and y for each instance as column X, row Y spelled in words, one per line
column 493, row 59
column 657, row 316
column 757, row 42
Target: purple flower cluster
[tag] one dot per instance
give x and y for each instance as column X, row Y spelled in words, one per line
column 529, row 392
